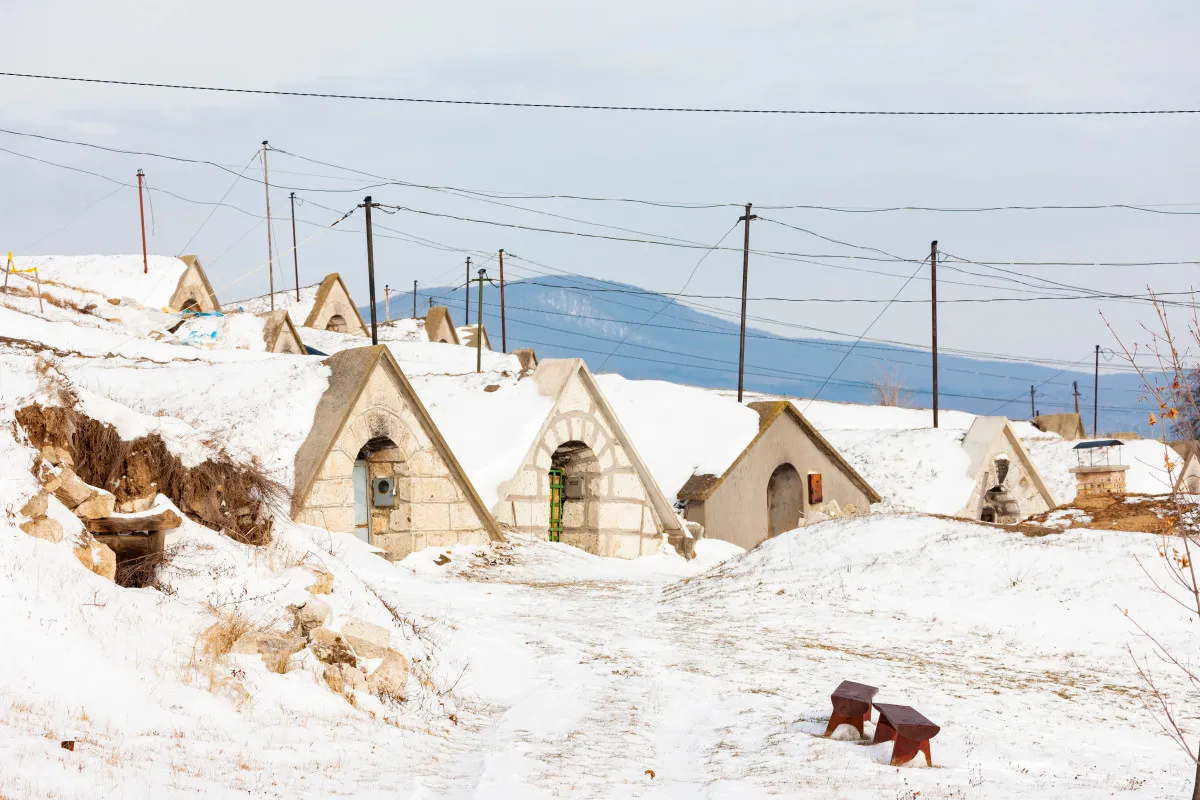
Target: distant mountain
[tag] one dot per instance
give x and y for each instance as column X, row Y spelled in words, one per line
column 569, row 316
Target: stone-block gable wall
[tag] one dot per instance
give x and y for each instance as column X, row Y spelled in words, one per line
column 1018, row 482
column 191, row 286
column 338, row 303
column 617, row 517
column 431, row 509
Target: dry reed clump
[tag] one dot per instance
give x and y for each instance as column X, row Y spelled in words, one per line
column 218, row 639
column 223, row 495
column 47, row 297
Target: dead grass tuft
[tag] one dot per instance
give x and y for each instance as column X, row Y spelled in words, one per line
column 218, row 639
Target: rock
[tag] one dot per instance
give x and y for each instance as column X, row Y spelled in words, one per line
column 365, row 649
column 831, row 508
column 695, row 529
column 52, row 483
column 140, row 504
column 309, row 615
column 116, row 301
column 361, row 629
column 101, row 505
column 342, row 678
column 37, row 505
column 323, row 583
column 337, row 651
column 72, row 491
column 58, row 456
column 275, row 648
column 43, row 528
column 389, row 679
column 96, row 557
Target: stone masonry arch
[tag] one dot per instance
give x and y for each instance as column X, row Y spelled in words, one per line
column 622, row 522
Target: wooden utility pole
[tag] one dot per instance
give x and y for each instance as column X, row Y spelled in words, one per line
column 503, row 331
column 142, row 211
column 479, row 325
column 295, row 252
column 1032, row 406
column 1096, row 395
column 371, row 270
column 414, row 299
column 467, row 315
column 1075, row 389
column 933, row 253
column 270, row 249
column 745, row 284
column 387, row 303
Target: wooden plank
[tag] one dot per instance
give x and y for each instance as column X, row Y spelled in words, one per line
column 163, row 520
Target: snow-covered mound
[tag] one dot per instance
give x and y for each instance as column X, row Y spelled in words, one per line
column 120, row 277
column 286, row 300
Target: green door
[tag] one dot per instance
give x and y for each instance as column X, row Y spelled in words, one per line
column 556, row 505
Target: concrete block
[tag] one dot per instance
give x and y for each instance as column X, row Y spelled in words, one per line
column 431, row 517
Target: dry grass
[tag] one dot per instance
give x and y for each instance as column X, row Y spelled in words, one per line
column 889, row 390
column 218, row 639
column 218, row 493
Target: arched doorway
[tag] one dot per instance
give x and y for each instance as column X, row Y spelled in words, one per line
column 378, row 458
column 785, row 500
column 988, row 514
column 336, row 323
column 191, row 305
column 577, row 516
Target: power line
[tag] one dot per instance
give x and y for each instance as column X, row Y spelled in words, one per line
column 590, row 107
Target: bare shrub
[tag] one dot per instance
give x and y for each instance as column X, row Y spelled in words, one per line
column 1171, row 388
column 889, row 390
column 219, row 493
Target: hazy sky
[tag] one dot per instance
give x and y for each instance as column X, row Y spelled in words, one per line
column 843, row 55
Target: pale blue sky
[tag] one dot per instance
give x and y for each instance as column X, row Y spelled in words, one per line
column 851, row 55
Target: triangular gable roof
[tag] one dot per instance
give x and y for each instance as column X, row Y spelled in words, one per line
column 352, row 369
column 978, row 443
column 279, row 323
column 435, row 318
column 466, row 336
column 701, row 487
column 193, row 262
column 1069, row 426
column 323, row 291
column 552, row 376
column 1189, row 457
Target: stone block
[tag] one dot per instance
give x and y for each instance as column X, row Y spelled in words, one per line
column 335, row 492
column 343, row 678
column 441, row 539
column 337, row 465
column 434, row 490
column 58, row 456
column 562, row 433
column 542, row 459
column 72, row 491
column 37, row 505
column 367, row 631
column 573, row 515
column 463, row 517
column 624, row 545
column 574, row 397
column 575, row 426
column 43, row 528
column 276, row 649
column 627, row 485
column 620, row 456
column 606, row 459
column 380, row 521
column 100, row 505
column 339, row 519
column 400, row 519
column 389, row 679
column 431, row 517
column 309, row 615
column 525, row 484
column 621, row 516
column 650, row 525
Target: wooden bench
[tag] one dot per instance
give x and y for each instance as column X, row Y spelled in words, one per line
column 851, row 706
column 908, row 728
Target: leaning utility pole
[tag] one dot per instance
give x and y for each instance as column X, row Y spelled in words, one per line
column 142, row 210
column 933, row 253
column 503, row 332
column 1075, row 390
column 371, row 270
column 1096, row 395
column 387, row 303
column 414, row 299
column 295, row 253
column 745, row 283
column 467, row 313
column 270, row 250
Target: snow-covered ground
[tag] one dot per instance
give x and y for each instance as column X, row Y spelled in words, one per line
column 574, row 675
